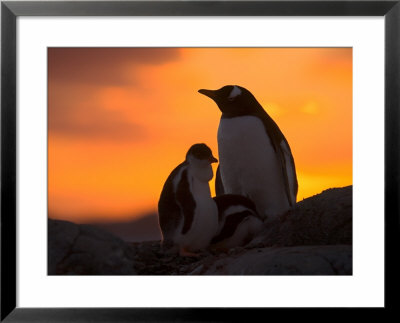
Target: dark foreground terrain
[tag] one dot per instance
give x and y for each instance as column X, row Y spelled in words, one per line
column 316, row 239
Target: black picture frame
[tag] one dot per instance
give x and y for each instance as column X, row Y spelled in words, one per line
column 11, row 10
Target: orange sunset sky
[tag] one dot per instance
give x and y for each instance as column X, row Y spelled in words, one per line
column 120, row 119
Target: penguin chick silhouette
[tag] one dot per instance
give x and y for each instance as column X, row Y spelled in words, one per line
column 255, row 157
column 238, row 221
column 188, row 215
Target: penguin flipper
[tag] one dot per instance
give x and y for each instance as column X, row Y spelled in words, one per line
column 169, row 212
column 186, row 202
column 232, row 221
column 289, row 171
column 284, row 154
column 219, row 187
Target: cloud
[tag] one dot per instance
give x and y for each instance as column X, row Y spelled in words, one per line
column 103, row 66
column 94, row 123
column 78, row 80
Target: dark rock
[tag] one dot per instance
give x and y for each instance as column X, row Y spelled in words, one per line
column 84, row 250
column 304, row 260
column 323, row 219
column 61, row 237
column 314, row 239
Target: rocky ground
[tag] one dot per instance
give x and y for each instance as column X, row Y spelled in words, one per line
column 315, row 239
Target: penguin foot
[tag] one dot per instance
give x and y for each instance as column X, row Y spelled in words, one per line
column 185, row 253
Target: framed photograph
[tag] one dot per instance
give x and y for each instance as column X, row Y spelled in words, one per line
column 197, row 160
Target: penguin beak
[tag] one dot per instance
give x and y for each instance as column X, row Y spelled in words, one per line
column 213, row 160
column 210, row 93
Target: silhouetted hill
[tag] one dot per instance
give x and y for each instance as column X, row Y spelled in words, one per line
column 144, row 228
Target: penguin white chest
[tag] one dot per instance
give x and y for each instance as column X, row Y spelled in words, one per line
column 205, row 219
column 249, row 164
column 243, row 143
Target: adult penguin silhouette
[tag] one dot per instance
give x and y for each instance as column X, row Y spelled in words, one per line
column 254, row 155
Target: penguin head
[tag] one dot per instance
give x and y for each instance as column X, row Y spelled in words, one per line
column 200, row 158
column 201, row 153
column 233, row 100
